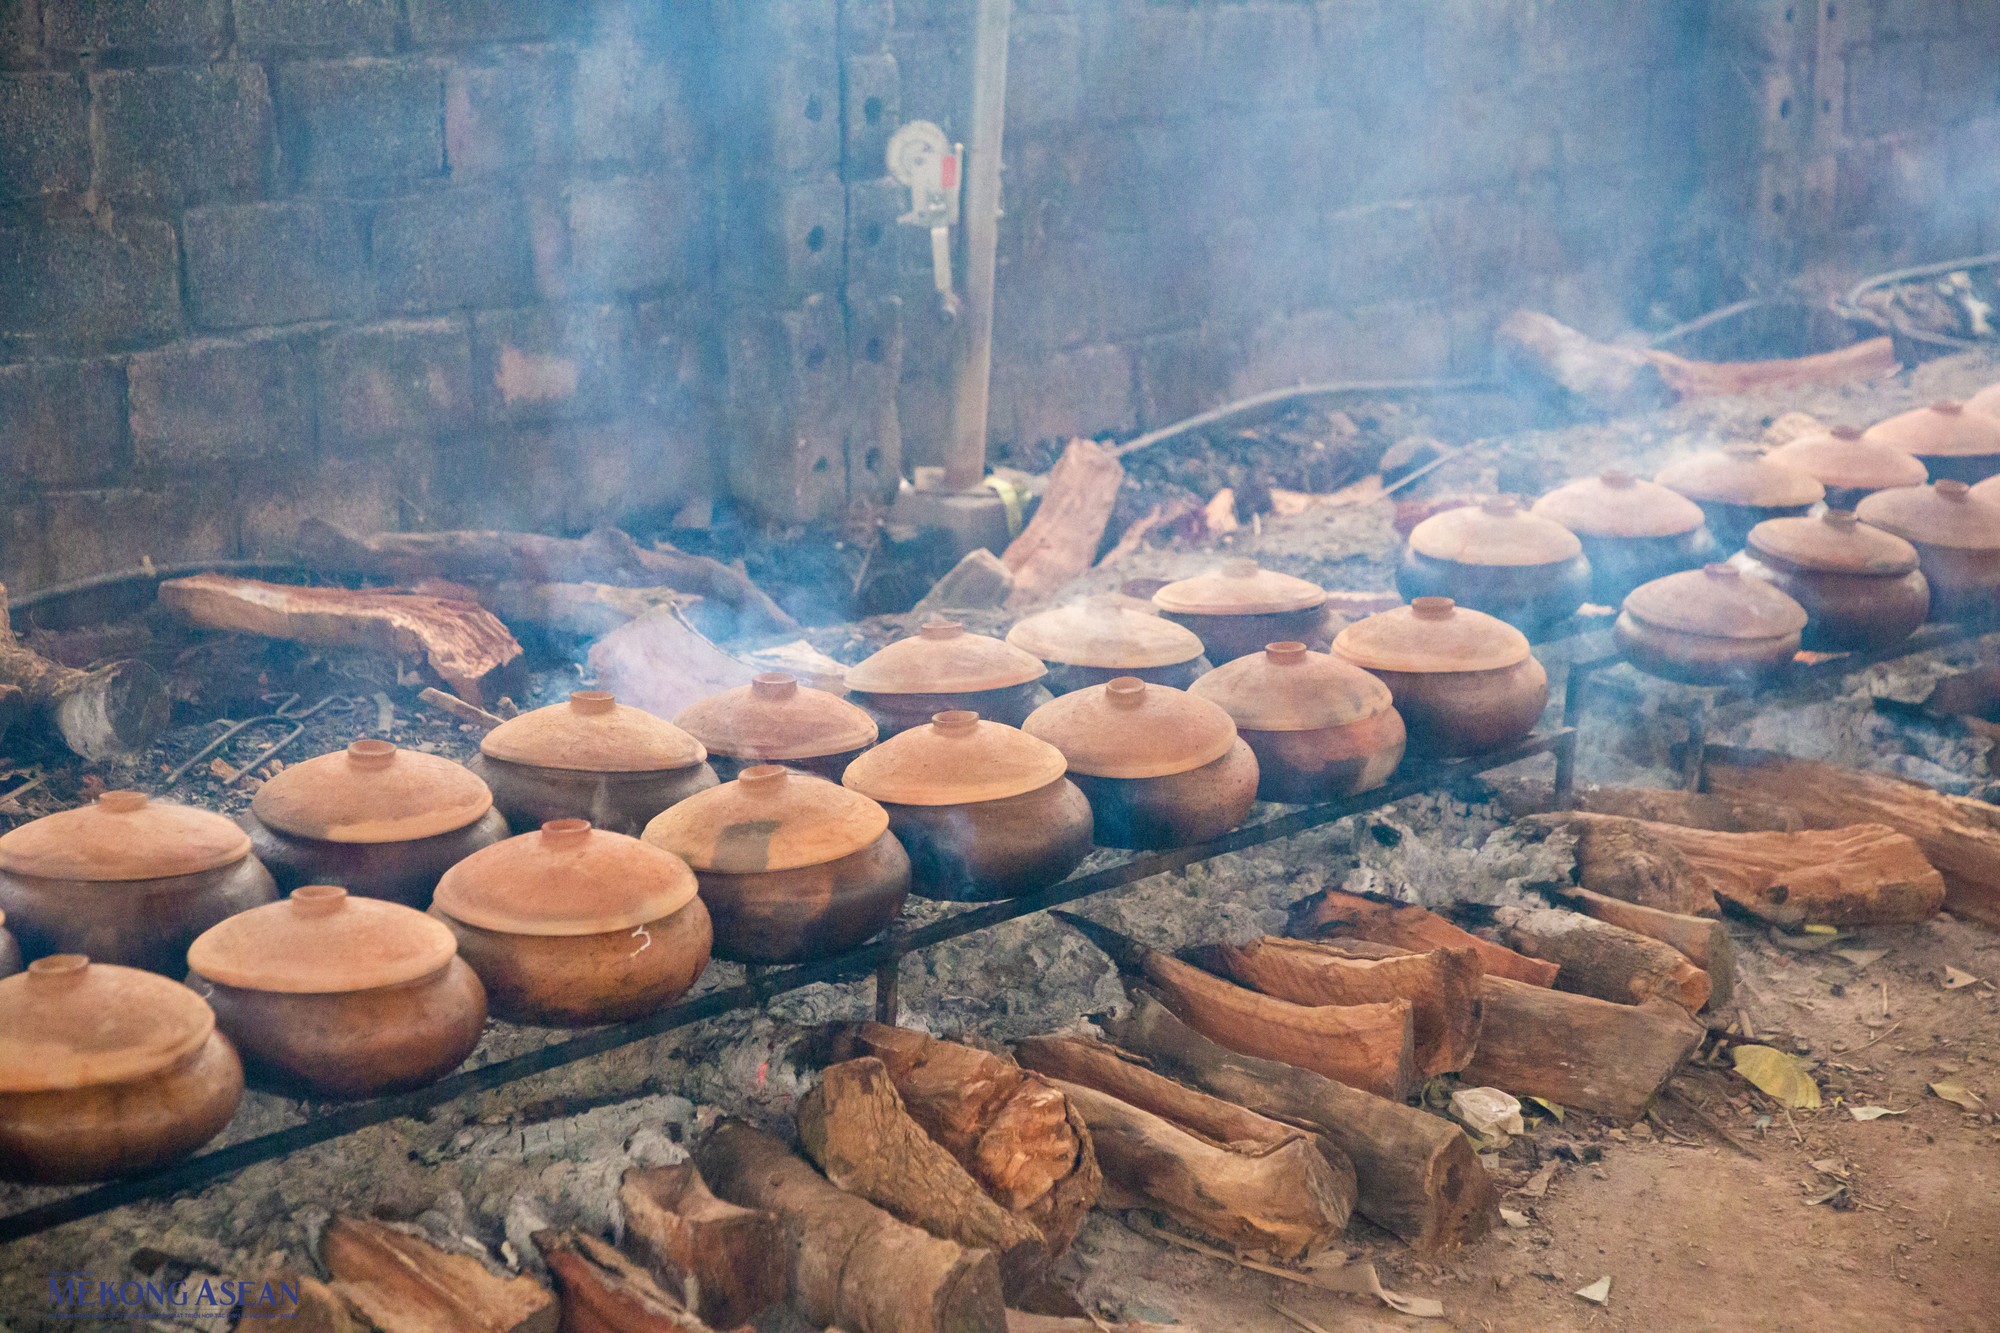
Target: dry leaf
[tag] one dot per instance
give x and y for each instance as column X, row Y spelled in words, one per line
column 221, row 770
column 1954, row 979
column 1777, row 1075
column 1862, row 957
column 1959, row 1095
column 1598, row 1292
column 1517, row 1220
column 1872, row 1112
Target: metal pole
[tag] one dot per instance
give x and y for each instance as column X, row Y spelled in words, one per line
column 965, row 461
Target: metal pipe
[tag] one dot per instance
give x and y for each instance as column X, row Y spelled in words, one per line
column 965, row 459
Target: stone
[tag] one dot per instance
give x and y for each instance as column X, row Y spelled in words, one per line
column 451, row 249
column 265, row 24
column 181, row 135
column 62, row 423
column 74, row 284
column 215, row 401
column 630, row 234
column 550, row 362
column 194, row 26
column 401, row 379
column 507, row 113
column 278, row 263
column 44, row 136
column 980, row 581
column 362, row 121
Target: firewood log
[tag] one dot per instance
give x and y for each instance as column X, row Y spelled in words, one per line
column 855, row 1129
column 1958, row 835
column 1579, row 1051
column 1702, row 940
column 1628, row 860
column 1694, row 809
column 604, row 1292
column 1013, row 1131
column 851, row 1263
column 726, row 1263
column 1331, row 913
column 108, row 711
column 401, row 1283
column 1600, row 959
column 1415, row 1174
column 1442, row 987
column 1061, row 540
column 1366, row 1046
column 319, row 1308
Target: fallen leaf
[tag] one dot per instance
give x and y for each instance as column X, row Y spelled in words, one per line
column 1777, row 1075
column 1861, row 957
column 1872, row 1112
column 1517, row 1220
column 221, row 770
column 1959, row 1095
column 1954, row 979
column 1598, row 1292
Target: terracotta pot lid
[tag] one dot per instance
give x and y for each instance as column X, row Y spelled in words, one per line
column 372, row 792
column 1287, row 688
column 1944, row 513
column 775, row 717
column 123, row 835
column 1239, row 588
column 1941, row 430
column 1496, row 531
column 770, row 818
column 956, row 760
column 1717, row 602
column 1846, row 459
column 1618, row 504
column 1833, row 541
column 1128, row 728
column 1986, row 401
column 68, row 1023
column 1431, row 634
column 941, row 658
column 320, row 941
column 566, row 878
column 1988, row 490
column 593, row 733
column 1739, row 475
column 1108, row 632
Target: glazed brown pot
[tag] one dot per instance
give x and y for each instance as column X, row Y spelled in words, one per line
column 1462, row 681
column 591, row 758
column 1495, row 557
column 1861, row 587
column 1632, row 531
column 1957, row 536
column 1710, row 626
column 1321, row 728
column 1850, row 465
column 127, row 880
column 1738, row 488
column 983, row 809
column 106, row 1071
column 376, row 820
column 572, row 926
column 329, row 996
column 1239, row 608
column 942, row 668
column 776, row 720
column 1952, row 442
column 791, row 866
column 1108, row 637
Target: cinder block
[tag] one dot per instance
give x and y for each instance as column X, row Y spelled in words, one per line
column 787, row 380
column 789, row 242
column 403, row 379
column 637, row 465
column 385, row 490
column 1089, row 391
column 440, row 21
column 508, row 113
column 178, row 135
column 261, row 264
column 548, row 363
column 365, row 25
column 872, row 241
column 631, row 234
column 451, row 249
column 20, row 34
column 872, row 108
column 217, row 401
column 76, row 285
column 94, row 532
column 44, row 136
column 865, row 25
column 62, row 423
column 1044, row 70
column 23, row 543
column 1185, row 372
column 677, row 363
column 192, row 26
column 874, row 345
column 503, row 477
column 1882, row 87
column 362, row 121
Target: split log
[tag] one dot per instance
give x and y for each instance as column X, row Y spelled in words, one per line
column 1578, row 1051
column 1702, row 940
column 1626, row 859
column 318, row 1309
column 604, row 1292
column 1958, row 835
column 851, row 1263
column 468, row 648
column 1358, row 916
column 1415, row 1174
column 606, row 555
column 1013, row 1131
column 855, row 1129
column 1366, row 1046
column 1600, row 959
column 1060, row 542
column 98, row 714
column 726, row 1262
column 1442, row 987
column 662, row 664
column 1694, row 809
column 402, row 1283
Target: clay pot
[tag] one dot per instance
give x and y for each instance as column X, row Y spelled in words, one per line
column 1107, row 637
column 1957, row 536
column 376, row 820
column 1495, row 557
column 330, row 996
column 592, row 758
column 1631, row 530
column 571, row 926
column 791, row 866
column 1986, row 401
column 106, row 1071
column 1239, row 608
column 10, row 950
column 1462, row 680
column 1952, row 443
column 1710, row 626
column 1849, row 464
column 775, row 720
column 1738, row 488
column 1320, row 727
column 1861, row 587
column 983, row 809
column 128, row 880
column 942, row 668
column 1160, row 768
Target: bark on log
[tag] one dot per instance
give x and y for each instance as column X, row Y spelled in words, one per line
column 1601, row 959
column 401, row 1283
column 851, row 1263
column 604, row 1292
column 854, row 1127
column 1366, row 1046
column 1060, row 542
column 1578, row 1051
column 1626, row 859
column 1415, row 1174
column 1013, row 1131
column 465, row 644
column 98, row 714
column 726, row 1262
column 1331, row 913
column 1958, row 835
column 1442, row 987
column 1702, row 940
